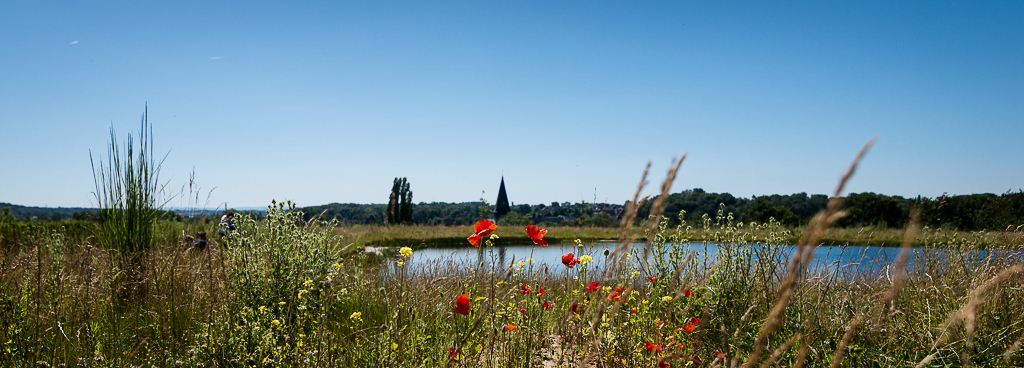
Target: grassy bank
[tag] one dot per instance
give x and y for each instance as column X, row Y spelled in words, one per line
column 417, row 236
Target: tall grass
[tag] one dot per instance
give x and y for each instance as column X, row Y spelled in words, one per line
column 128, row 190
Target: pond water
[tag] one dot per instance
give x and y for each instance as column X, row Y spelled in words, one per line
column 846, row 259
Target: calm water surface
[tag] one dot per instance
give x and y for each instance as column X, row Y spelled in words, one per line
column 826, row 258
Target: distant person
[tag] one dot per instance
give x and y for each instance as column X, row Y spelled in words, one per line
column 200, row 241
column 227, row 224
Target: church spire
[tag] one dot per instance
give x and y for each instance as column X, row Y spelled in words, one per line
column 501, row 207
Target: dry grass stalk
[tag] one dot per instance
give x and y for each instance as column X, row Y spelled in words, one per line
column 628, row 218
column 1012, row 349
column 969, row 312
column 817, row 226
column 658, row 207
column 801, row 355
column 840, row 353
column 781, row 350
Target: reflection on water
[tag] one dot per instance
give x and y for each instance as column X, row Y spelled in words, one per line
column 846, row 259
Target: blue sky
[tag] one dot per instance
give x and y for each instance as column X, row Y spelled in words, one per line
column 326, row 102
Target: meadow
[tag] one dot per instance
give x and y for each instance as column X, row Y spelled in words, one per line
column 283, row 291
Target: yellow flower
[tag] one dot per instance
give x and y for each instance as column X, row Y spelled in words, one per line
column 356, row 317
column 529, row 260
column 666, row 298
column 494, row 236
column 586, row 259
column 400, row 264
column 406, row 252
column 275, row 322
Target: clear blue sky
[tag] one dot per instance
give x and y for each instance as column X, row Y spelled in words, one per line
column 324, row 102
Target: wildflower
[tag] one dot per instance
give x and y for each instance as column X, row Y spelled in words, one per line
column 400, row 264
column 658, row 324
column 356, row 317
column 537, row 234
column 343, row 291
column 451, row 354
column 494, row 236
column 653, row 279
column 666, row 298
column 281, row 303
column 652, row 347
column 593, row 286
column 615, row 295
column 511, row 327
column 540, row 292
column 406, row 252
column 462, row 305
column 719, row 355
column 481, row 229
column 662, row 364
column 575, row 308
column 523, row 289
column 547, row 304
column 690, row 328
column 687, row 293
column 529, row 260
column 275, row 322
column 632, row 311
column 568, row 260
column 522, row 310
column 308, row 283
column 585, row 259
column 694, row 321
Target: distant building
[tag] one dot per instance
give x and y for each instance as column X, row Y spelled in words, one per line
column 501, row 207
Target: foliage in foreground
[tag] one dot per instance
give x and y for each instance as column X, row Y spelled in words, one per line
column 286, row 292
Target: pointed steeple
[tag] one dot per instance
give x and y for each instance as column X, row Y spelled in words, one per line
column 501, row 207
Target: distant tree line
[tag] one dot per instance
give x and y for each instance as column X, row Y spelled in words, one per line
column 961, row 212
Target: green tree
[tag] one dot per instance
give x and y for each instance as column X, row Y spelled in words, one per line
column 761, row 209
column 400, row 204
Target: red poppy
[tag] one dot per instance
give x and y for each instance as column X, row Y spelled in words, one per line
column 547, row 304
column 451, row 354
column 615, row 295
column 576, row 309
column 522, row 310
column 719, row 355
column 594, row 286
column 568, row 260
column 510, row 327
column 694, row 321
column 652, row 347
column 523, row 289
column 690, row 328
column 662, row 364
column 653, row 279
column 536, row 234
column 481, row 229
column 687, row 293
column 540, row 292
column 462, row 305
column 632, row 311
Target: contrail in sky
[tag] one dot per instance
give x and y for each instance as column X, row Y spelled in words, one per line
column 73, row 42
column 216, row 57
